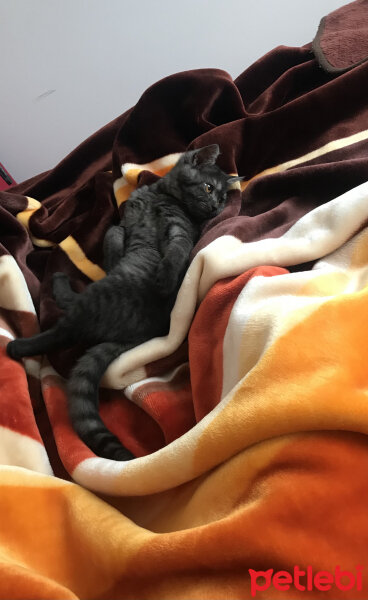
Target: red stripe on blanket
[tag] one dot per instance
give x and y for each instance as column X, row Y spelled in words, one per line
column 16, row 407
column 169, row 403
column 136, row 430
column 18, row 322
column 134, row 427
column 165, row 364
column 206, row 338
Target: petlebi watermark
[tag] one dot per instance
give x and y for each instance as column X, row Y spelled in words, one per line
column 305, row 580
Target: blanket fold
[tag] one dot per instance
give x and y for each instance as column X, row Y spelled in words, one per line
column 341, row 41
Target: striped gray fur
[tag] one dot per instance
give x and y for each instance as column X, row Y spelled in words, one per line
column 145, row 257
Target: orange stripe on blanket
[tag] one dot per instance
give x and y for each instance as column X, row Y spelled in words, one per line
column 206, row 338
column 76, row 255
column 197, row 502
column 311, row 378
column 124, row 186
column 132, row 174
column 359, row 257
column 275, row 505
column 122, row 193
column 51, row 537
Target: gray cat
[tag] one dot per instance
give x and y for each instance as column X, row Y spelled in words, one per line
column 145, row 257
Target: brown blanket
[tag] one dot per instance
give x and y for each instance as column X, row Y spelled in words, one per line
column 249, row 420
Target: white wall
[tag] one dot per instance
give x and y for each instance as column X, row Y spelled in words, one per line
column 67, row 67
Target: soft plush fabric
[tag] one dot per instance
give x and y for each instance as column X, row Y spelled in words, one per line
column 250, row 419
column 341, row 42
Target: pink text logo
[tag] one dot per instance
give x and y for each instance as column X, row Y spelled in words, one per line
column 305, row 580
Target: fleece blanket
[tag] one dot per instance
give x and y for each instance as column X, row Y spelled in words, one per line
column 249, row 420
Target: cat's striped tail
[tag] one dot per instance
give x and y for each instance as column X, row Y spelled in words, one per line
column 83, row 401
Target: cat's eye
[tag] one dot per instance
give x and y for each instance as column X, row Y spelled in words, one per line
column 209, row 188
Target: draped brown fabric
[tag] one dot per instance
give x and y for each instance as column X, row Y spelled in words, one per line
column 249, row 421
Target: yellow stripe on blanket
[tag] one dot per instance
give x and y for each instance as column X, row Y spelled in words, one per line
column 76, row 255
column 311, row 378
column 126, row 184
column 359, row 257
column 325, row 149
column 69, row 245
column 123, row 192
column 24, row 216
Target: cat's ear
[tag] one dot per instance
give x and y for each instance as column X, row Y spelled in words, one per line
column 206, row 156
column 233, row 179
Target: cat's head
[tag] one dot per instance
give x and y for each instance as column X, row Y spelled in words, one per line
column 198, row 184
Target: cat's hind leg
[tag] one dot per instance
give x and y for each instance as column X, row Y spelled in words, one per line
column 52, row 339
column 63, row 293
column 113, row 247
